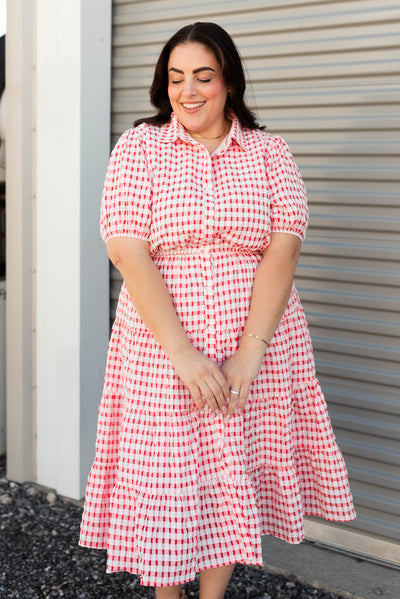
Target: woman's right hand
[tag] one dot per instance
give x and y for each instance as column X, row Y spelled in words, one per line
column 204, row 379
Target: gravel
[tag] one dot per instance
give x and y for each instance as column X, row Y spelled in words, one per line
column 40, row 557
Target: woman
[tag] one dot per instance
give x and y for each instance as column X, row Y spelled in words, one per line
column 212, row 428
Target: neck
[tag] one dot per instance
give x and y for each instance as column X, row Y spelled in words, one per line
column 193, row 134
column 210, row 137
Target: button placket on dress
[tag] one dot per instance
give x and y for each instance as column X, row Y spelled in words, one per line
column 208, row 275
column 209, row 285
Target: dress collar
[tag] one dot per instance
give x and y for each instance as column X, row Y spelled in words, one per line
column 173, row 130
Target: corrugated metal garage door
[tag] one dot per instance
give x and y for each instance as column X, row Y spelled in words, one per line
column 325, row 75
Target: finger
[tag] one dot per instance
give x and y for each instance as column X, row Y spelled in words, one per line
column 234, row 399
column 208, row 396
column 219, row 395
column 222, row 381
column 197, row 397
column 244, row 393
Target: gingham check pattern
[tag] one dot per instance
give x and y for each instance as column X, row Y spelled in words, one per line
column 173, row 491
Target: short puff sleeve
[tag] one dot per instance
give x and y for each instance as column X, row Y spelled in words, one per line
column 289, row 211
column 126, row 201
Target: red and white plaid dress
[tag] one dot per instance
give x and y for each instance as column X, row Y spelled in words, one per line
column 173, row 491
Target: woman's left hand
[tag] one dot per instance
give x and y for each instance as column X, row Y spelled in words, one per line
column 240, row 370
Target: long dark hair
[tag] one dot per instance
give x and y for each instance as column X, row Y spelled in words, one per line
column 221, row 44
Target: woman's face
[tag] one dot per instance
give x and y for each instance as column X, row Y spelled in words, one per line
column 196, row 89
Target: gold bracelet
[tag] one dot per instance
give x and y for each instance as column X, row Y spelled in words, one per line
column 256, row 337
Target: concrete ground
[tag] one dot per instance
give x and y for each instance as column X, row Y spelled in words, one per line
column 349, row 576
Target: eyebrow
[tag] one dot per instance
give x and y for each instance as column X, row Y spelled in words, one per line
column 199, row 70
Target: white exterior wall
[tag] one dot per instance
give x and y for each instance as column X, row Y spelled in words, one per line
column 67, row 101
column 73, row 80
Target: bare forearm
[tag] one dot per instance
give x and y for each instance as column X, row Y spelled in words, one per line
column 271, row 291
column 149, row 294
column 154, row 305
column 272, row 286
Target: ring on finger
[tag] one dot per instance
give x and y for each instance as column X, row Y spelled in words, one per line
column 233, row 392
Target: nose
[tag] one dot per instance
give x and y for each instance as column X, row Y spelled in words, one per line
column 189, row 87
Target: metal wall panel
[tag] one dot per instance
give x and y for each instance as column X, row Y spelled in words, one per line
column 324, row 75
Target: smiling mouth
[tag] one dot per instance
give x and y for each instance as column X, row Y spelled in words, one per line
column 192, row 105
